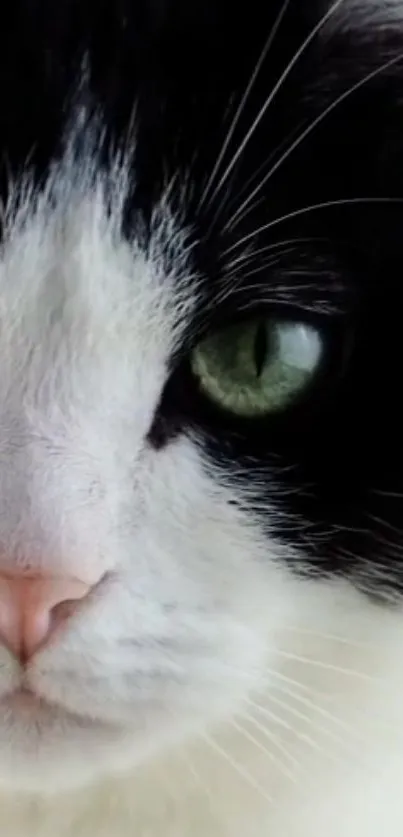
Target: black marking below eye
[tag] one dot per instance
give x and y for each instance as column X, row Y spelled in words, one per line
column 260, row 348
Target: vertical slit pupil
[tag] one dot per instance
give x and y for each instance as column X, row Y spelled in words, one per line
column 260, row 348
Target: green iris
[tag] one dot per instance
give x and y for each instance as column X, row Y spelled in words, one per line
column 257, row 367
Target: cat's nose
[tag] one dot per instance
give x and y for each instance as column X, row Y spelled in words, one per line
column 31, row 609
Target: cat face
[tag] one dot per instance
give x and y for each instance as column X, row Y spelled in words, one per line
column 199, row 340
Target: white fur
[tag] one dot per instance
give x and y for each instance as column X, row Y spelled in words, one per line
column 333, row 769
column 196, row 620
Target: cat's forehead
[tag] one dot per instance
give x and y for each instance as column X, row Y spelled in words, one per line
column 79, row 301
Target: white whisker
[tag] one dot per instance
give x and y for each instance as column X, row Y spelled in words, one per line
column 259, row 746
column 305, row 701
column 360, row 675
column 268, row 248
column 243, row 101
column 249, row 253
column 320, row 728
column 272, row 156
column 321, row 710
column 198, row 780
column 289, row 680
column 322, row 22
column 299, row 140
column 297, row 213
column 244, row 774
column 290, row 728
column 239, row 275
column 398, row 495
column 234, row 279
column 223, row 208
column 271, row 736
column 331, row 637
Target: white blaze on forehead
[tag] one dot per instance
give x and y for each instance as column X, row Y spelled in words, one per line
column 73, row 291
column 88, row 323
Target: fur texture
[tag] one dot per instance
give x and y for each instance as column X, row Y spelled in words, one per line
column 237, row 668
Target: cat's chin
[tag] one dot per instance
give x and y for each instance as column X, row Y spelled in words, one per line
column 46, row 749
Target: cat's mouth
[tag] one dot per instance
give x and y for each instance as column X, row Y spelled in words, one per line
column 24, row 699
column 28, row 705
column 33, row 706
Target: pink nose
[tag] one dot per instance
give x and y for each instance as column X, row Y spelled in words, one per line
column 31, row 608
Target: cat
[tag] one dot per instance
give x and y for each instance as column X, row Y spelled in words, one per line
column 201, row 468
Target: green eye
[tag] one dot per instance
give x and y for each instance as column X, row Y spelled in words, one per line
column 257, row 367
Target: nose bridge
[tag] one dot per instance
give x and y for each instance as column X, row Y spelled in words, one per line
column 52, row 510
column 32, row 477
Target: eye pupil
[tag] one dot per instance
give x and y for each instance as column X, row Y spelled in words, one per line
column 260, row 348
